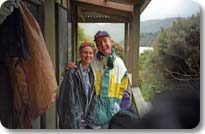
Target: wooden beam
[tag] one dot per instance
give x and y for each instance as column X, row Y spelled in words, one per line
column 104, row 16
column 108, row 4
column 128, row 2
column 81, row 14
column 96, row 20
column 104, row 10
column 144, row 5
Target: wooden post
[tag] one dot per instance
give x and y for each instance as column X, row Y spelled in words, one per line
column 126, row 43
column 50, row 115
column 135, row 45
column 130, row 50
column 74, row 26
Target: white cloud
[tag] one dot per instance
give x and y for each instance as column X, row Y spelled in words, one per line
column 160, row 9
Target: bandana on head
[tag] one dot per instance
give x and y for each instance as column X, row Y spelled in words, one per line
column 85, row 44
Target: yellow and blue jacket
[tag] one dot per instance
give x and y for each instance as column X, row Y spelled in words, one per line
column 111, row 80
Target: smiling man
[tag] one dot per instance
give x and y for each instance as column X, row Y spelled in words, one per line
column 111, row 80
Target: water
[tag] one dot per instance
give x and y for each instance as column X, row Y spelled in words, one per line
column 142, row 49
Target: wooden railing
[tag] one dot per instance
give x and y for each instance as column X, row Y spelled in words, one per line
column 139, row 105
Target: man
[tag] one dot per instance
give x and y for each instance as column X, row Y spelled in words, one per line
column 111, row 79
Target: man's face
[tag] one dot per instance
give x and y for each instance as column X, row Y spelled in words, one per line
column 104, row 45
column 86, row 55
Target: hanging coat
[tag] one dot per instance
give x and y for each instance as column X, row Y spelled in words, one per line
column 35, row 77
column 39, row 68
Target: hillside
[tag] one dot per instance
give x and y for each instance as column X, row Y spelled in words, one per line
column 152, row 26
column 148, row 30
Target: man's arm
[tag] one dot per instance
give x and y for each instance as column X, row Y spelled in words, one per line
column 126, row 98
column 72, row 65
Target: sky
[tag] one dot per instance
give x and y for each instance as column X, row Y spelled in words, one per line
column 160, row 9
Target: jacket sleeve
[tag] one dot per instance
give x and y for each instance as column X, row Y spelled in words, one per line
column 126, row 98
column 66, row 102
column 124, row 82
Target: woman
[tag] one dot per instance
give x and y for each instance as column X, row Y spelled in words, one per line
column 77, row 99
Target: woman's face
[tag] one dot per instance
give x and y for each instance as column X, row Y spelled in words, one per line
column 86, row 55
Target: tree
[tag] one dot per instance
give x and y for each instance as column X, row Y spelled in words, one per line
column 82, row 36
column 119, row 49
column 176, row 57
column 180, row 59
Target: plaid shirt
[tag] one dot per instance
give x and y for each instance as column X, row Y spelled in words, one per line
column 85, row 74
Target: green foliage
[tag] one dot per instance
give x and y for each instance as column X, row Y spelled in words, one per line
column 179, row 49
column 149, row 82
column 176, row 56
column 119, row 49
column 146, row 39
column 82, row 36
